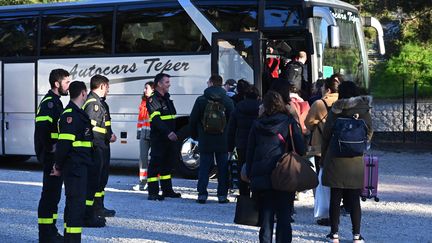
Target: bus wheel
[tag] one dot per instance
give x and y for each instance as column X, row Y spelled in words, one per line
column 188, row 163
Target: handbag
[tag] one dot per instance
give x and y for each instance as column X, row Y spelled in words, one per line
column 293, row 172
column 247, row 211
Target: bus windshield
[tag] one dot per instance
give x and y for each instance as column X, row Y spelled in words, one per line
column 348, row 58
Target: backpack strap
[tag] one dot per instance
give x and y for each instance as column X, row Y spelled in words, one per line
column 328, row 110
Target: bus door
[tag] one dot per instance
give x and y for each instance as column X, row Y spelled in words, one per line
column 18, row 108
column 238, row 55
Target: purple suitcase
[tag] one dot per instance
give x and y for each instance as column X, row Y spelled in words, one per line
column 370, row 181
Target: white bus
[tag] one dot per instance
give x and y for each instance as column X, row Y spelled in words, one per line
column 131, row 41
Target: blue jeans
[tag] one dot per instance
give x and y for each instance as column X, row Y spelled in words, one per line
column 280, row 203
column 206, row 162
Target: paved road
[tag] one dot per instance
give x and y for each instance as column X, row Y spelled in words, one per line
column 404, row 213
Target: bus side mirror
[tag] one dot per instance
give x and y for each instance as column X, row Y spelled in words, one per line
column 333, row 36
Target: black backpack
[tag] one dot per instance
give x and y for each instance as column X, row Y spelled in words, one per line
column 214, row 119
column 295, row 74
column 349, row 137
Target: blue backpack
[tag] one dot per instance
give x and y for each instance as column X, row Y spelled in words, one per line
column 349, row 137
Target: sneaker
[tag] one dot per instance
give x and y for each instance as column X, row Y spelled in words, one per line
column 172, row 194
column 357, row 238
column 333, row 237
column 323, row 222
column 155, row 198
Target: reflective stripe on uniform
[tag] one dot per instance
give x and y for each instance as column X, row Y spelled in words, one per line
column 98, row 194
column 54, row 135
column 87, row 102
column 45, row 221
column 84, row 144
column 67, row 111
column 74, row 230
column 156, row 113
column 167, row 117
column 44, row 118
column 108, row 123
column 165, row 177
column 93, row 122
column 42, row 101
column 55, row 216
column 89, row 202
column 152, row 179
column 103, row 193
column 99, row 129
column 66, row 136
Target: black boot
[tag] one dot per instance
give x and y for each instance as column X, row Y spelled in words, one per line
column 167, row 190
column 94, row 222
column 107, row 212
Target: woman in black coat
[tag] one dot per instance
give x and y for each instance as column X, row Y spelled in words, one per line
column 240, row 122
column 267, row 143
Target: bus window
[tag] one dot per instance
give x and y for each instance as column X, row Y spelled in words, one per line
column 18, row 36
column 281, row 15
column 231, row 18
column 76, row 34
column 158, row 30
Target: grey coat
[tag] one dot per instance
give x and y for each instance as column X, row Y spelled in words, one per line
column 346, row 173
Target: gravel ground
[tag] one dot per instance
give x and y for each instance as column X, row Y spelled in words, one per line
column 404, row 213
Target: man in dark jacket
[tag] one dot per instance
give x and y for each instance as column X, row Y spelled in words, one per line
column 239, row 125
column 98, row 111
column 45, row 139
column 73, row 158
column 163, row 140
column 211, row 144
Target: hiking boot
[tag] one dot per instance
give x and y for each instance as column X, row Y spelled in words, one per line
column 94, row 222
column 155, row 198
column 172, row 194
column 333, row 237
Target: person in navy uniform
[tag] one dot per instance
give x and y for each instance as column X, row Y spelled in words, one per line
column 163, row 140
column 45, row 139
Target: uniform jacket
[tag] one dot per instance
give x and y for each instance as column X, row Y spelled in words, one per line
column 98, row 111
column 265, row 148
column 315, row 120
column 75, row 146
column 209, row 143
column 240, row 122
column 162, row 116
column 143, row 124
column 344, row 173
column 46, row 131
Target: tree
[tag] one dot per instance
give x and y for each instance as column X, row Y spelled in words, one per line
column 17, row 2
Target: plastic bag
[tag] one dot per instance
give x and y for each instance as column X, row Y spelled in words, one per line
column 322, row 199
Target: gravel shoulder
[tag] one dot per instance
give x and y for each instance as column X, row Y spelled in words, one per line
column 404, row 213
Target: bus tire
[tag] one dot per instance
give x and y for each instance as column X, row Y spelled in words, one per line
column 15, row 158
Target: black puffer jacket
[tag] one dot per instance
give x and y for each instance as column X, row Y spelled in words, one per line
column 240, row 122
column 265, row 148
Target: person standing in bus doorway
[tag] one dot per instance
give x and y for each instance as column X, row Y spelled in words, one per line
column 45, row 139
column 73, row 159
column 163, row 140
column 296, row 73
column 98, row 111
column 208, row 120
column 143, row 135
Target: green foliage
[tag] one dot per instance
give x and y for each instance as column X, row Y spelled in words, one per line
column 413, row 63
column 17, row 2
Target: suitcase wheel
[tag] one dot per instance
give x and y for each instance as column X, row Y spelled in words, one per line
column 363, row 199
column 376, row 199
